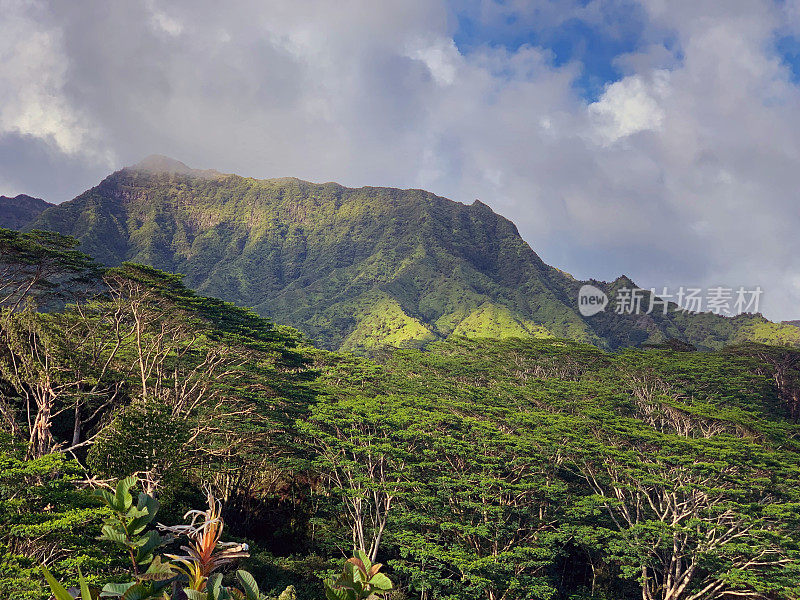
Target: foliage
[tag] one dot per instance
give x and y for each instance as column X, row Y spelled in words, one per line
column 44, row 518
column 360, row 580
column 476, row 468
column 361, row 460
column 523, row 456
column 128, row 523
column 128, row 528
column 42, row 264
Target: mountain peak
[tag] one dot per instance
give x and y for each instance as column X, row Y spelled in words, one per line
column 25, row 198
column 160, row 164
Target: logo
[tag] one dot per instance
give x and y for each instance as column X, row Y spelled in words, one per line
column 591, row 300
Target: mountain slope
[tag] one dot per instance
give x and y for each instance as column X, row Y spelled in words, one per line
column 19, row 211
column 354, row 268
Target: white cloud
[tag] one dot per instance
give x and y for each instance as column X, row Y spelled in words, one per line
column 629, row 106
column 441, row 57
column 684, row 172
column 32, row 76
column 163, row 21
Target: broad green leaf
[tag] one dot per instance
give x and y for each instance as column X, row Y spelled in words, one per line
column 381, row 582
column 108, row 533
column 114, row 590
column 146, row 545
column 333, row 593
column 139, row 591
column 122, row 498
column 214, row 587
column 362, row 556
column 249, row 585
column 147, row 507
column 106, row 497
column 158, row 571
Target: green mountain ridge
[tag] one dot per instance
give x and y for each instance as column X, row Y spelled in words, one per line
column 359, row 268
column 17, row 211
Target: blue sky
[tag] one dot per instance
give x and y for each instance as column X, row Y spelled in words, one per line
column 593, row 45
column 788, row 48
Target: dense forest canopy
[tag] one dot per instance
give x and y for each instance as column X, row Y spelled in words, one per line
column 476, row 468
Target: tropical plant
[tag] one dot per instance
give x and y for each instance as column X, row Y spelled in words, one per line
column 61, row 593
column 360, row 580
column 128, row 524
column 205, row 552
column 128, row 528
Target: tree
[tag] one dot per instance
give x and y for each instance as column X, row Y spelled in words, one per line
column 700, row 512
column 480, row 516
column 53, row 364
column 360, row 460
column 42, row 263
column 206, row 375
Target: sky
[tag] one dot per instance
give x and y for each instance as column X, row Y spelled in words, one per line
column 659, row 139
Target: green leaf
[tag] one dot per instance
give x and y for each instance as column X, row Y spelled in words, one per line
column 108, row 533
column 58, row 590
column 123, row 499
column 362, row 556
column 334, row 593
column 146, row 545
column 147, row 506
column 249, row 585
column 114, row 590
column 381, row 582
column 158, row 571
column 139, row 591
column 214, row 587
column 106, row 497
column 85, row 593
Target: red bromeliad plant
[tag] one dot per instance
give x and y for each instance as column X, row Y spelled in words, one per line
column 205, row 552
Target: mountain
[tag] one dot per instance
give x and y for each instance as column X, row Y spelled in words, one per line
column 17, row 212
column 160, row 164
column 357, row 269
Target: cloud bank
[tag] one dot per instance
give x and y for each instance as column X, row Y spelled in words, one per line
column 682, row 169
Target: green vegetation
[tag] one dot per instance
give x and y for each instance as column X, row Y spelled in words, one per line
column 195, row 575
column 20, row 210
column 511, row 468
column 384, row 323
column 44, row 517
column 360, row 580
column 357, row 269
